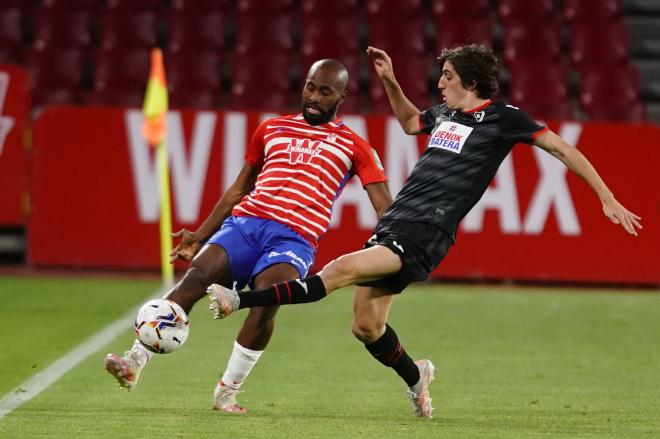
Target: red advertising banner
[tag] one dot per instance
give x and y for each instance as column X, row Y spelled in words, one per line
column 95, row 200
column 14, row 119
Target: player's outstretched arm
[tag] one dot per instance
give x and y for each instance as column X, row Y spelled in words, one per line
column 404, row 110
column 191, row 242
column 579, row 164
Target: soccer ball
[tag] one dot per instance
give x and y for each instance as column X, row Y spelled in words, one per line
column 161, row 326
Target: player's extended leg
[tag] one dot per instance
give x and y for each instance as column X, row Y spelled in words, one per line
column 209, row 266
column 371, row 263
column 371, row 308
column 252, row 339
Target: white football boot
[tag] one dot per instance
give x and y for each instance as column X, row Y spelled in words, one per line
column 419, row 393
column 126, row 369
column 224, row 400
column 223, row 301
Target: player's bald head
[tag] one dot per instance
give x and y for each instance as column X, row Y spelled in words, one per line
column 330, row 72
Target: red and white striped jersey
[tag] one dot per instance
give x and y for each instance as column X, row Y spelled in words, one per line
column 303, row 170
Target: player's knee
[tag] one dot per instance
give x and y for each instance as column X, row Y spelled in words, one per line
column 262, row 319
column 340, row 270
column 365, row 331
column 191, row 288
column 199, row 276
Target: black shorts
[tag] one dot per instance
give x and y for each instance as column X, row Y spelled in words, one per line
column 421, row 247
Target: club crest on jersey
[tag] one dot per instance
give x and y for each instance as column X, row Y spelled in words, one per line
column 479, row 116
column 302, row 151
column 331, row 138
column 450, row 136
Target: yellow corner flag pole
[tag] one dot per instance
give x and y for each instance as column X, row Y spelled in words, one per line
column 155, row 131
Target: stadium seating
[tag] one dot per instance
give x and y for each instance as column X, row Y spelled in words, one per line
column 448, row 10
column 541, row 89
column 55, row 75
column 526, row 41
column 10, row 34
column 264, row 33
column 336, row 8
column 413, row 26
column 134, row 5
column 120, row 77
column 222, row 6
column 62, row 28
column 264, row 8
column 72, row 5
column 197, row 30
column 23, row 4
column 225, row 34
column 193, row 78
column 537, row 12
column 602, row 98
column 463, row 31
column 599, row 42
column 394, row 8
column 124, row 28
column 461, row 23
column 599, row 10
column 261, row 80
column 321, row 37
column 413, row 80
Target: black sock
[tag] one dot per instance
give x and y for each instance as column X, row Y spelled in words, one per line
column 307, row 290
column 389, row 351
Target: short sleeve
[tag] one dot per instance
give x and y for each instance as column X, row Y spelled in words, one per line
column 427, row 121
column 517, row 126
column 254, row 156
column 366, row 163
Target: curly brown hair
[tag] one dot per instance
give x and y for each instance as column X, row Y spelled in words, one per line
column 477, row 67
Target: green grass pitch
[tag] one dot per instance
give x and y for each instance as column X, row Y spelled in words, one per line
column 512, row 363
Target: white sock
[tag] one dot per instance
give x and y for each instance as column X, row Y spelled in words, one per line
column 240, row 365
column 141, row 354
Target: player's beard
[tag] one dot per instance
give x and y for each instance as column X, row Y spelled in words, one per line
column 322, row 117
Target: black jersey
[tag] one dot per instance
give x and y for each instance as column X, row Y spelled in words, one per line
column 462, row 156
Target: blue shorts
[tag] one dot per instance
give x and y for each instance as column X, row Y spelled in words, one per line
column 254, row 244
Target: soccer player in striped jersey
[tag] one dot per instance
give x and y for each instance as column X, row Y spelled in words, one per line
column 470, row 137
column 266, row 227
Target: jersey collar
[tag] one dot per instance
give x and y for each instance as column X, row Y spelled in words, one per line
column 479, row 108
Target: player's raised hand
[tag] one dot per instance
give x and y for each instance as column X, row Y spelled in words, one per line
column 382, row 63
column 187, row 247
column 620, row 215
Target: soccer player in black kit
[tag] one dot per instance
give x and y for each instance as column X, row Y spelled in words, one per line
column 470, row 137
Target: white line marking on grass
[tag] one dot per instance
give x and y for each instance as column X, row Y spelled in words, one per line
column 39, row 382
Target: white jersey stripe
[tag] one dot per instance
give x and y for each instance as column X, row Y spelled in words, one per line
column 334, row 178
column 287, row 211
column 292, row 180
column 294, row 191
column 302, row 123
column 316, row 178
column 261, row 212
column 299, row 204
column 308, row 131
column 313, row 176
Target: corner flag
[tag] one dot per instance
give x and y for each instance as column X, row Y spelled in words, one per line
column 155, row 132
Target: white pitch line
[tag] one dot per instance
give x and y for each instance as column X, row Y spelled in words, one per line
column 39, row 382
